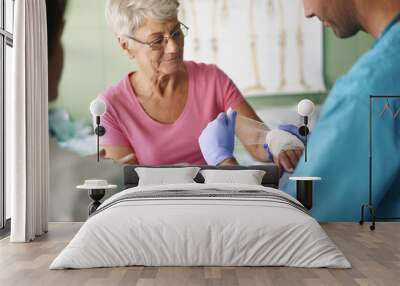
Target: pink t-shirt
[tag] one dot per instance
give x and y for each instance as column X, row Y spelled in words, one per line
column 211, row 91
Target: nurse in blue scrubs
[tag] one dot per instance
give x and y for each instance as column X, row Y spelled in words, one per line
column 338, row 146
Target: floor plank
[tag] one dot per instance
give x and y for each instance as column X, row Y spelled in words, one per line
column 374, row 255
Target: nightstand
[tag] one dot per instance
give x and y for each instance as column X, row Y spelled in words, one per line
column 304, row 190
column 96, row 191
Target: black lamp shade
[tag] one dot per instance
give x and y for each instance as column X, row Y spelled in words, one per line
column 100, row 130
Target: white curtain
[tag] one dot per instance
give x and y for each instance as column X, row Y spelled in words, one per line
column 27, row 141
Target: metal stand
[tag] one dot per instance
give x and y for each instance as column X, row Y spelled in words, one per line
column 305, row 193
column 372, row 213
column 99, row 131
column 96, row 195
column 370, row 206
column 304, row 131
column 304, row 190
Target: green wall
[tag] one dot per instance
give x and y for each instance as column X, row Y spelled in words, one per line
column 93, row 60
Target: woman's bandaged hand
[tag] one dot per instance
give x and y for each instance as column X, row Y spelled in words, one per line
column 279, row 140
column 284, row 148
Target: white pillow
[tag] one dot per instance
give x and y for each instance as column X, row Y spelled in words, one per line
column 163, row 176
column 248, row 177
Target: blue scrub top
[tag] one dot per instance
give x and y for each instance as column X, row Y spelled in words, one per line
column 338, row 146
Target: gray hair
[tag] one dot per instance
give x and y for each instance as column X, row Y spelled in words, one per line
column 124, row 16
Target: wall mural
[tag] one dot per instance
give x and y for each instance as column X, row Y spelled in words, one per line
column 266, row 46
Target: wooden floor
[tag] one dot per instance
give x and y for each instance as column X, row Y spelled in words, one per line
column 375, row 257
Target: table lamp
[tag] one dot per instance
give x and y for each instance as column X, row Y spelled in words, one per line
column 305, row 108
column 98, row 108
column 305, row 185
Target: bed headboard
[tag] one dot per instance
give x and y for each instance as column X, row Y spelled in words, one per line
column 271, row 177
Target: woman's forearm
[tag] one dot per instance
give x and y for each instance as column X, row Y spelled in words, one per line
column 258, row 152
column 229, row 162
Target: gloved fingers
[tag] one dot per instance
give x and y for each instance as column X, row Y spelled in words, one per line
column 232, row 121
column 222, row 118
column 294, row 130
column 216, row 141
column 268, row 151
column 288, row 128
column 219, row 118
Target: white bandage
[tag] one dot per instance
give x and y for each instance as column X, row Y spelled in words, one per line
column 279, row 140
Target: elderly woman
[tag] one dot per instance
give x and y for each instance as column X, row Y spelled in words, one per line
column 156, row 115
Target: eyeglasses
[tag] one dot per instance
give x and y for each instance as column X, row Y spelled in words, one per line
column 178, row 33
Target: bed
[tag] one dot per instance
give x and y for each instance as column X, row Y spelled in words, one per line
column 201, row 224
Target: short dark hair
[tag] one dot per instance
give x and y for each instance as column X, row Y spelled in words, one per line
column 55, row 10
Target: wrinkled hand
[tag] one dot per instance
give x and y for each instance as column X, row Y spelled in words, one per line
column 288, row 160
column 287, row 147
column 217, row 140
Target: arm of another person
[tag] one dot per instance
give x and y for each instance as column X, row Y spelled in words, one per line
column 338, row 153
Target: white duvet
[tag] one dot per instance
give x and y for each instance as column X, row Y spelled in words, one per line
column 201, row 231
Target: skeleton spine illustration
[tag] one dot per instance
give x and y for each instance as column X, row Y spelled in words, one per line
column 196, row 40
column 270, row 7
column 300, row 49
column 225, row 9
column 282, row 47
column 214, row 38
column 182, row 11
column 263, row 45
column 258, row 85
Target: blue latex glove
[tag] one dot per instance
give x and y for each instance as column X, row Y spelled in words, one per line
column 292, row 129
column 217, row 140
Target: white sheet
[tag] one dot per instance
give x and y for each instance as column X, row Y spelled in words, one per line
column 200, row 231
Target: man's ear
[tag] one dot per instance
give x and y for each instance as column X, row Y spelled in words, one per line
column 124, row 44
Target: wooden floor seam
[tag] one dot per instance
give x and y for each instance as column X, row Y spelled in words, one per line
column 374, row 255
